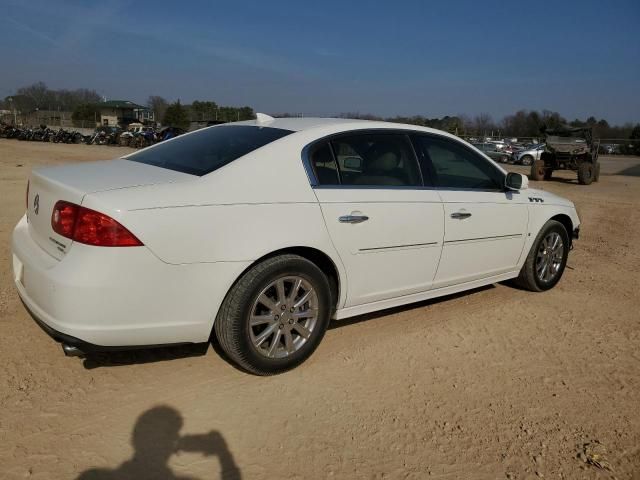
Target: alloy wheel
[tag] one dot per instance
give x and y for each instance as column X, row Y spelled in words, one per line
column 549, row 257
column 283, row 316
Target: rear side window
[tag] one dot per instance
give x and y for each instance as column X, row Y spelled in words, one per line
column 208, row 149
column 366, row 160
column 376, row 159
column 324, row 165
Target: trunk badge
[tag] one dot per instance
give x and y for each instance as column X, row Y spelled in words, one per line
column 36, row 204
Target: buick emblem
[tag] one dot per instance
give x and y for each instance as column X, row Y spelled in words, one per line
column 36, row 204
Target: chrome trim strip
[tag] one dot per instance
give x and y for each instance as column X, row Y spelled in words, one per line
column 497, row 237
column 428, row 244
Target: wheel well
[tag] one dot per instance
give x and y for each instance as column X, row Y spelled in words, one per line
column 566, row 221
column 321, row 259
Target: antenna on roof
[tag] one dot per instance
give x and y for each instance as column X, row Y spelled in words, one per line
column 263, row 118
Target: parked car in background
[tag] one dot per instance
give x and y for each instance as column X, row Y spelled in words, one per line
column 512, row 148
column 528, row 154
column 491, row 150
column 609, row 149
column 260, row 232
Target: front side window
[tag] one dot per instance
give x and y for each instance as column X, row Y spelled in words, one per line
column 206, row 150
column 456, row 166
column 376, row 160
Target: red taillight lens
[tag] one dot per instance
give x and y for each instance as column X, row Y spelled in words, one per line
column 63, row 218
column 90, row 227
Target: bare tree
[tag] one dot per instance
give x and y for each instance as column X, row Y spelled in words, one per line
column 483, row 123
column 158, row 105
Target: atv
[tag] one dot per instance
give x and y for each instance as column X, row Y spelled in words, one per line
column 569, row 149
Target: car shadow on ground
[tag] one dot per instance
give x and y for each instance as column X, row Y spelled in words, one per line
column 155, row 438
column 139, row 356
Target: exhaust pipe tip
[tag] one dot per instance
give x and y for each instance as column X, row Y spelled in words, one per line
column 71, row 351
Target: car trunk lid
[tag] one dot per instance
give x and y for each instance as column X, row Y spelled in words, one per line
column 72, row 182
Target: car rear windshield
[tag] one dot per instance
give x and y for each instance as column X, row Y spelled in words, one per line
column 206, row 150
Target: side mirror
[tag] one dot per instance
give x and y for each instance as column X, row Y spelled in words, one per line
column 516, row 181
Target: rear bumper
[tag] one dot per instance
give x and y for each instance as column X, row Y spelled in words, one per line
column 109, row 298
column 82, row 347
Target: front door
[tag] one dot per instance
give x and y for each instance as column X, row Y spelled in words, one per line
column 485, row 225
column 388, row 229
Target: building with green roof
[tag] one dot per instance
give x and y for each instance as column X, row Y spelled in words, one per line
column 122, row 113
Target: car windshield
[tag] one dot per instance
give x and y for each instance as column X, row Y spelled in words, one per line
column 206, row 150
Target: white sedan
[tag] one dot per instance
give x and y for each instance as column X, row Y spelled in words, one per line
column 260, row 232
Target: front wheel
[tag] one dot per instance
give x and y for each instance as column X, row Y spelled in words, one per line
column 547, row 258
column 275, row 316
column 527, row 160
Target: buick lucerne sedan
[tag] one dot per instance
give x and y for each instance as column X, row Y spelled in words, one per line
column 258, row 233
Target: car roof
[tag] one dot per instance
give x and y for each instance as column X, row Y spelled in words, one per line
column 313, row 123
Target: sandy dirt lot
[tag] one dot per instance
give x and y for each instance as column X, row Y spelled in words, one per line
column 496, row 383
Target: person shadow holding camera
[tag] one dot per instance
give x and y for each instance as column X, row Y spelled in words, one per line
column 156, row 436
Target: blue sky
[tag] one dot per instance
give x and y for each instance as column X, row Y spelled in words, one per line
column 404, row 57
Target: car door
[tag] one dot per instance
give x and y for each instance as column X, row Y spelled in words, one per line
column 485, row 224
column 387, row 228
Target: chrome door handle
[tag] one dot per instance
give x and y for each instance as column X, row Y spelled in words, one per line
column 460, row 215
column 353, row 218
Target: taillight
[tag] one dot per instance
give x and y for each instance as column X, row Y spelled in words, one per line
column 63, row 218
column 90, row 227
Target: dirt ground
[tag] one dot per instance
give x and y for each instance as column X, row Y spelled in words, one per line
column 496, row 383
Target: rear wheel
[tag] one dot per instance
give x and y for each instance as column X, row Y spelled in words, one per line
column 275, row 316
column 537, row 170
column 547, row 258
column 586, row 173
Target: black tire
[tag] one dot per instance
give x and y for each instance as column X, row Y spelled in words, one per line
column 526, row 160
column 586, row 173
column 537, row 170
column 231, row 326
column 548, row 172
column 528, row 278
column 596, row 173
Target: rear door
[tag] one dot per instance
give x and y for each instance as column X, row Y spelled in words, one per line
column 387, row 228
column 485, row 225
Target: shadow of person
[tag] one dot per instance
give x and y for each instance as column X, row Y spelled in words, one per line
column 156, row 437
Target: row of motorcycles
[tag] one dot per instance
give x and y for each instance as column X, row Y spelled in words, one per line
column 138, row 138
column 41, row 134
